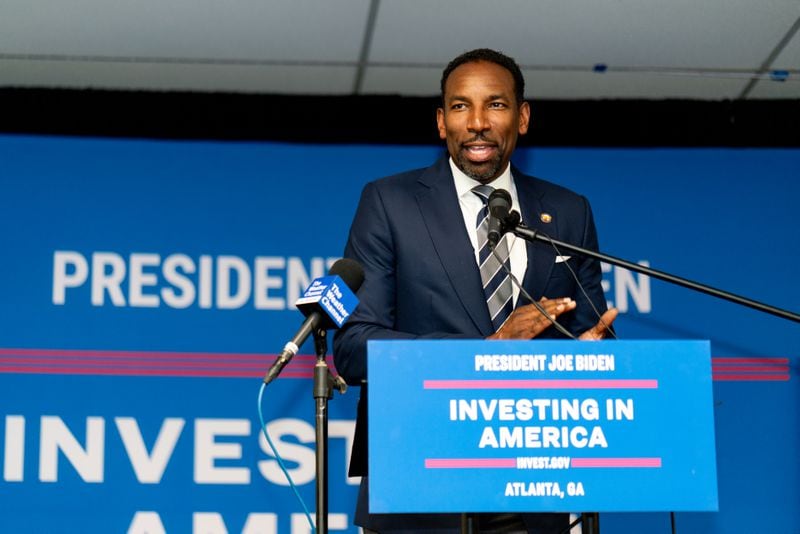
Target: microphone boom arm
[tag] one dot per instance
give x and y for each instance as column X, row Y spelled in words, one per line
column 532, row 236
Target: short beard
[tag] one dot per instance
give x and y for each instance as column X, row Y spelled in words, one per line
column 483, row 173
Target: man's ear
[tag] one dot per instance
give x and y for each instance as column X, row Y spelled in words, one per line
column 524, row 118
column 440, row 123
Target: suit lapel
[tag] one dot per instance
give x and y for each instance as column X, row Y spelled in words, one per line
column 444, row 220
column 540, row 259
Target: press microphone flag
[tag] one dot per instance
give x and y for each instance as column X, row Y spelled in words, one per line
column 327, row 303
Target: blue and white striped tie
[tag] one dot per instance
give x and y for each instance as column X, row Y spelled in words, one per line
column 496, row 281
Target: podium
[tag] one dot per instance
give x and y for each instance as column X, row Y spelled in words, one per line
column 540, row 426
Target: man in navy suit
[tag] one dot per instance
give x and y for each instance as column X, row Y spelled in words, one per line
column 415, row 234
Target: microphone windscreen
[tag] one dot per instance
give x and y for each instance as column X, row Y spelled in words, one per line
column 350, row 271
column 499, row 203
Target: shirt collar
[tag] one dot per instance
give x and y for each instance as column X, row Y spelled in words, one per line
column 464, row 183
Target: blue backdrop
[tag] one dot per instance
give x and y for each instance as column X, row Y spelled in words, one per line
column 147, row 285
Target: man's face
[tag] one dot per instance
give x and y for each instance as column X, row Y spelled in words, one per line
column 481, row 119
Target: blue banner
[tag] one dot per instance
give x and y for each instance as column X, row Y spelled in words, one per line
column 146, row 286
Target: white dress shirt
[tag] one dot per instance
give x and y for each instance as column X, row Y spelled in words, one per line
column 471, row 204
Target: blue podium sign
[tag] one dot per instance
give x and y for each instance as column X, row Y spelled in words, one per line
column 516, row 426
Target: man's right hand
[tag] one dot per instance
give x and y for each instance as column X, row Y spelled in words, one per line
column 527, row 322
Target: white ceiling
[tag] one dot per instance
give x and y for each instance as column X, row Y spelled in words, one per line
column 701, row 49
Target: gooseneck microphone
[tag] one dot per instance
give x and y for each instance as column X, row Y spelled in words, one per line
column 499, row 205
column 501, row 220
column 327, row 304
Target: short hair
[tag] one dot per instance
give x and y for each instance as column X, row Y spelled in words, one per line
column 492, row 56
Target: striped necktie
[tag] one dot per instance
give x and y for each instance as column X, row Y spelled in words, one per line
column 496, row 281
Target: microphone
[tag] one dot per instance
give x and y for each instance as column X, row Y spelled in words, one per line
column 508, row 221
column 499, row 205
column 512, row 221
column 327, row 304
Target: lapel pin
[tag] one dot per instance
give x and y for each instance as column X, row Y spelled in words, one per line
column 545, row 218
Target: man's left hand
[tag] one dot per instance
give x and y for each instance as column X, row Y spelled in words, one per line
column 601, row 329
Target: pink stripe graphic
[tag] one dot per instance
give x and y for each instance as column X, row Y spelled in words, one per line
column 756, row 361
column 541, row 384
column 721, row 377
column 470, row 463
column 146, row 363
column 143, row 363
column 89, row 353
column 615, row 462
column 750, row 368
column 108, row 371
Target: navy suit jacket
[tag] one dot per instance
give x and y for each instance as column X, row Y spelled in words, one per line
column 421, row 278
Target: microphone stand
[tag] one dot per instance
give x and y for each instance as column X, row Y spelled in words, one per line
column 591, row 520
column 324, row 382
column 469, row 524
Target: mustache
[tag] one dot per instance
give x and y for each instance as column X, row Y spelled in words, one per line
column 479, row 138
